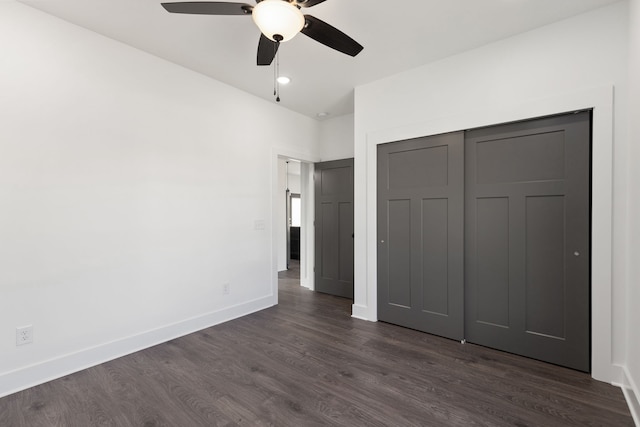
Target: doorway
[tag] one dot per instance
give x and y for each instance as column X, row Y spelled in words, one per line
column 322, row 193
column 293, row 219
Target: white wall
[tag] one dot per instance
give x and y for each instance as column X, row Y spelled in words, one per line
column 121, row 210
column 307, row 232
column 567, row 65
column 294, row 183
column 633, row 297
column 336, row 138
column 281, row 209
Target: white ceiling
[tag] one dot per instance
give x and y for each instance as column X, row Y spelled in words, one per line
column 396, row 35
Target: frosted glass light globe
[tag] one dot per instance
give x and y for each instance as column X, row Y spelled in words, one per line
column 278, row 17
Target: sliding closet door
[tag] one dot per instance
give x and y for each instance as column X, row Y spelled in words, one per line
column 527, row 238
column 420, row 234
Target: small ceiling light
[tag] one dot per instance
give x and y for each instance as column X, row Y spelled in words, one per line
column 278, row 18
column 284, row 80
column 322, row 115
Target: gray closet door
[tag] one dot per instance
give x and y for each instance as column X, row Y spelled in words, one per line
column 527, row 239
column 420, row 234
column 334, row 227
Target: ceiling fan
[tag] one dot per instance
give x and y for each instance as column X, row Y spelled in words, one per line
column 278, row 20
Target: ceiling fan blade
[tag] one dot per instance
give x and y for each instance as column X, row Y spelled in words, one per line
column 309, row 3
column 266, row 50
column 330, row 36
column 209, row 8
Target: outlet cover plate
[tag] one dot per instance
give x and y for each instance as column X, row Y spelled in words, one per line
column 24, row 335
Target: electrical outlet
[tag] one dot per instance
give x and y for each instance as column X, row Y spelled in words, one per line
column 225, row 289
column 24, row 335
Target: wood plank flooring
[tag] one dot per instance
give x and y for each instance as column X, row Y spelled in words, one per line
column 306, row 362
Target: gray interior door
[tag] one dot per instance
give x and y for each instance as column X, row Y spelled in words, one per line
column 334, row 227
column 420, row 234
column 527, row 238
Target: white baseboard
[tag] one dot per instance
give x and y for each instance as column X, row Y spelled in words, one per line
column 360, row 312
column 632, row 394
column 23, row 378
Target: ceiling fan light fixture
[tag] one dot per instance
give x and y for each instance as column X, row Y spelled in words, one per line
column 278, row 17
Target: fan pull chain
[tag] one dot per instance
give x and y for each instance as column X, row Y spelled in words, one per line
column 277, row 83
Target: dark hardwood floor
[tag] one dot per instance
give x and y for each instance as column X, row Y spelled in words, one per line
column 306, row 362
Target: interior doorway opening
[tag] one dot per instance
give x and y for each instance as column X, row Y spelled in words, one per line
column 294, row 214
